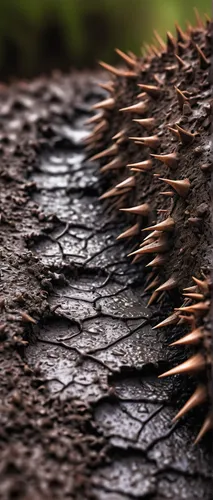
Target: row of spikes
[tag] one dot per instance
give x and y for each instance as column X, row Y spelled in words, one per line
column 200, row 292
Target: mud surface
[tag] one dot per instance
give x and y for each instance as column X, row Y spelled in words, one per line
column 83, row 414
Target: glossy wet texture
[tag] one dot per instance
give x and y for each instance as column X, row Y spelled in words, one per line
column 98, row 344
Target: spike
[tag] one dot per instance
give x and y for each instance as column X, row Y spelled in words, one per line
column 106, row 104
column 120, row 134
column 171, row 320
column 168, row 285
column 182, row 63
column 191, row 338
column 165, row 225
column 169, row 159
column 190, row 289
column 160, row 40
column 182, row 99
column 101, row 127
column 138, row 209
column 154, row 234
column 132, row 231
column 193, row 364
column 207, row 426
column 93, row 119
column 113, row 192
column 143, row 165
column 117, row 71
column 181, row 186
column 174, row 132
column 131, row 62
column 157, row 261
column 171, row 45
column 112, row 165
column 139, row 108
column 203, row 285
column 109, row 87
column 152, row 284
column 199, row 307
column 197, row 398
column 159, row 246
column 152, row 141
column 147, row 123
column 167, row 193
column 153, row 298
column 127, row 183
column 198, row 18
column 181, row 36
column 151, row 90
column 185, row 136
column 195, row 296
column 111, row 151
column 27, row 318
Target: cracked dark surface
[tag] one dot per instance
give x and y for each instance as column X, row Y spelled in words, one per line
column 94, row 351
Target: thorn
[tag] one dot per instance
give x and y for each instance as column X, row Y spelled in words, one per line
column 101, row 127
column 198, row 18
column 109, row 87
column 167, row 193
column 113, row 192
column 131, row 62
column 204, row 63
column 169, row 159
column 168, row 285
column 132, row 231
column 182, row 99
column 190, row 289
column 106, row 104
column 147, row 123
column 153, row 298
column 181, row 187
column 160, row 246
column 160, row 40
column 165, row 225
column 154, row 234
column 93, row 119
column 171, row 320
column 197, row 398
column 140, row 108
column 182, row 64
column 112, row 165
column 120, row 134
column 138, row 209
column 181, row 36
column 185, row 136
column 193, row 364
column 195, row 296
column 127, row 183
column 153, row 284
column 111, row 151
column 203, row 285
column 117, row 71
column 152, row 90
column 171, row 44
column 27, row 318
column 143, row 165
column 152, row 141
column 207, row 426
column 159, row 260
column 195, row 308
column 191, row 338
column 174, row 132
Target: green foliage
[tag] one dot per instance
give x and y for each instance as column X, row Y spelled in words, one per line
column 38, row 35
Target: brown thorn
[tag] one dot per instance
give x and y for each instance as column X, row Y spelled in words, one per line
column 152, row 90
column 171, row 320
column 181, row 186
column 129, row 233
column 170, row 159
column 143, row 209
column 207, row 426
column 168, row 285
column 113, row 165
column 127, row 183
column 140, row 108
column 166, row 225
column 143, row 165
column 191, row 338
column 111, row 151
column 197, row 398
column 194, row 364
column 117, row 71
column 128, row 60
column 185, row 136
column 147, row 123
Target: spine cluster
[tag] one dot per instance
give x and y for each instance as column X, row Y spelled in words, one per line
column 152, row 138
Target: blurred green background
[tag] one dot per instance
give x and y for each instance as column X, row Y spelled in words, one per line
column 40, row 35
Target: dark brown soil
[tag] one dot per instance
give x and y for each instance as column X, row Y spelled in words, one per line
column 82, row 412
